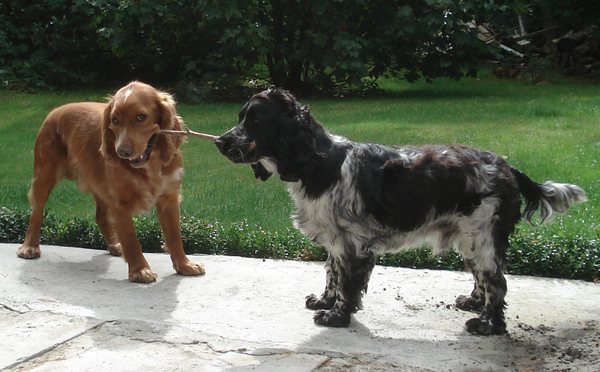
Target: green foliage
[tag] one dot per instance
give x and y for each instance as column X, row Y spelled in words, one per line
column 242, row 239
column 51, row 43
column 205, row 47
column 562, row 256
column 573, row 257
column 210, row 45
column 421, row 258
column 333, row 44
column 199, row 236
column 75, row 232
column 13, row 225
column 148, row 231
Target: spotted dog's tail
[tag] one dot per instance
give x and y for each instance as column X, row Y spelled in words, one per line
column 548, row 197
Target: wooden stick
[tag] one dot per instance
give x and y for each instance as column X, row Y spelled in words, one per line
column 189, row 132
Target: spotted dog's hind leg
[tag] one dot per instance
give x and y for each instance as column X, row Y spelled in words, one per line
column 327, row 299
column 353, row 278
column 476, row 300
column 487, row 264
column 491, row 320
column 485, row 241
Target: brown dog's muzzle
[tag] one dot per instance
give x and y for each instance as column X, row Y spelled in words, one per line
column 126, row 151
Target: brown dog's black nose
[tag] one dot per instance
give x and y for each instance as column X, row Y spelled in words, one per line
column 125, row 151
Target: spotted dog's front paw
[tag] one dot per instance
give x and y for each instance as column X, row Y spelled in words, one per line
column 315, row 303
column 468, row 303
column 331, row 318
column 485, row 327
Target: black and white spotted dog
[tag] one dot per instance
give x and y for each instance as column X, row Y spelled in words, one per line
column 359, row 200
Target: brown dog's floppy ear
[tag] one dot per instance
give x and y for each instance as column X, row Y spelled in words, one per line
column 168, row 145
column 108, row 136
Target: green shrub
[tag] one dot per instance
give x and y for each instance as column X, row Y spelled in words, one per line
column 13, row 225
column 149, row 233
column 565, row 256
column 421, row 258
column 76, row 232
column 60, row 43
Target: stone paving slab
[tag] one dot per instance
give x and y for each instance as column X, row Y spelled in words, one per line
column 74, row 310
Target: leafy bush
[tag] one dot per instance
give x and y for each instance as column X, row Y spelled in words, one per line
column 13, row 225
column 51, row 43
column 332, row 44
column 301, row 45
column 572, row 257
column 77, row 232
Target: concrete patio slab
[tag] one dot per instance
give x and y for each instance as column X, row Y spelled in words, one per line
column 74, row 310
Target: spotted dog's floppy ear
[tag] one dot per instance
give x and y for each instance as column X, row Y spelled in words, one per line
column 297, row 147
column 107, row 146
column 168, row 145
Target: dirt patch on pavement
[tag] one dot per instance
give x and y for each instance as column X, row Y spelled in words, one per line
column 567, row 349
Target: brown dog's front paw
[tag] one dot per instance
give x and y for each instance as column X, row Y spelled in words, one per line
column 28, row 252
column 144, row 275
column 189, row 268
column 115, row 249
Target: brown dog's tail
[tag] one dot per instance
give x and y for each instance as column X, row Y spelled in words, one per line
column 548, row 197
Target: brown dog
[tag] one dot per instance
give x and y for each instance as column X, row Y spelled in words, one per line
column 113, row 152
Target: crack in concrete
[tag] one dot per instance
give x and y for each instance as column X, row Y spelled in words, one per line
column 54, row 346
column 324, row 363
column 13, row 309
column 261, row 352
column 155, row 341
column 17, row 309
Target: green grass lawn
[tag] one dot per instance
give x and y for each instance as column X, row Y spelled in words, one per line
column 550, row 131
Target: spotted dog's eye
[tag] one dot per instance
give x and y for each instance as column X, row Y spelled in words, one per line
column 140, row 117
column 114, row 120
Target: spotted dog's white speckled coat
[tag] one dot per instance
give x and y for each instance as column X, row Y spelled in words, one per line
column 361, row 200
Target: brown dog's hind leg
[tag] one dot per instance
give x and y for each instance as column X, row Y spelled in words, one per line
column 49, row 166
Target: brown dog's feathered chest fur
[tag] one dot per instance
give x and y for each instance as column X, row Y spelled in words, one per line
column 156, row 180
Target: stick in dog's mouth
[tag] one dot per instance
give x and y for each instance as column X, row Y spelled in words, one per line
column 189, row 132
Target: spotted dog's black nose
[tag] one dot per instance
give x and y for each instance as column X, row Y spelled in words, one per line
column 221, row 144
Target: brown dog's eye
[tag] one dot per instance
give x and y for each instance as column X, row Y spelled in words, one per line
column 114, row 120
column 141, row 117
